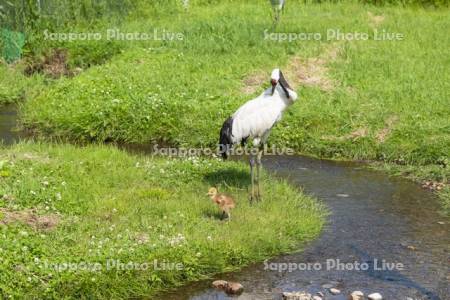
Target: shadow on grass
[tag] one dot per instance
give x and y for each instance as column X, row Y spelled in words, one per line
column 214, row 215
column 232, row 178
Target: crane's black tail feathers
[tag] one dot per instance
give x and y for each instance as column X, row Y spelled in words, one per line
column 225, row 141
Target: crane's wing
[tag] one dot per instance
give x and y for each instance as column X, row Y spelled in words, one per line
column 256, row 117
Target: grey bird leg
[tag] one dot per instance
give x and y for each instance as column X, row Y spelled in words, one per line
column 252, row 175
column 275, row 19
column 258, row 169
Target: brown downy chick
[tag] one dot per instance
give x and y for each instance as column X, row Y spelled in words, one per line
column 225, row 202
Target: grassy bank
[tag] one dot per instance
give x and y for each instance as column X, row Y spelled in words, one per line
column 15, row 86
column 87, row 206
column 359, row 99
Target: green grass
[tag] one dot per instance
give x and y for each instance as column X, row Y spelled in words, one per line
column 15, row 86
column 180, row 92
column 113, row 205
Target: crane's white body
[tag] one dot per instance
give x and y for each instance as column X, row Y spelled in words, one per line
column 256, row 117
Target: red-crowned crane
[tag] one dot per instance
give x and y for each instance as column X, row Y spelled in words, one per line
column 254, row 120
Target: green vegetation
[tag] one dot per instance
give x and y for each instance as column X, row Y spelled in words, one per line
column 108, row 205
column 374, row 100
column 15, row 86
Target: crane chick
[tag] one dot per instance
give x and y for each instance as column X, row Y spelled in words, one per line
column 225, row 202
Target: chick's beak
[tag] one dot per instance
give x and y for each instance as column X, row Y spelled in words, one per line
column 273, row 82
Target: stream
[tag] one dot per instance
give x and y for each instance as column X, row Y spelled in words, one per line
column 374, row 219
column 384, row 234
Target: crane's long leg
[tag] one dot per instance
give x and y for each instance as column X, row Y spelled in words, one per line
column 252, row 175
column 258, row 169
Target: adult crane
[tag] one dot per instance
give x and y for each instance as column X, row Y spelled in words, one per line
column 253, row 121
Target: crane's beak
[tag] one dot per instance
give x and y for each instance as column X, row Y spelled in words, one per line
column 273, row 82
column 284, row 85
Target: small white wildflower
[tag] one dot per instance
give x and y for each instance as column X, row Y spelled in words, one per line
column 63, row 183
column 209, row 238
column 58, row 196
column 32, row 192
column 45, row 183
column 23, row 233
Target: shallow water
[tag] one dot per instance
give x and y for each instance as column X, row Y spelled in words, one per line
column 373, row 218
